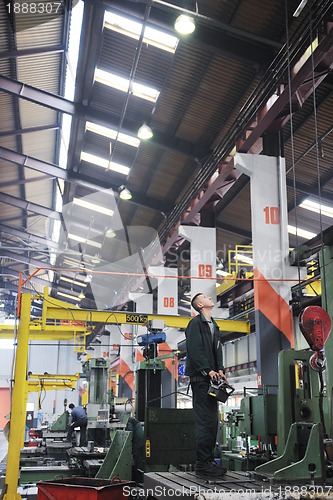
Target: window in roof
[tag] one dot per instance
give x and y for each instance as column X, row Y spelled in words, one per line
column 81, row 202
column 112, row 134
column 123, row 84
column 72, row 281
column 68, row 296
column 302, row 233
column 81, row 239
column 102, row 162
column 132, row 29
column 317, row 208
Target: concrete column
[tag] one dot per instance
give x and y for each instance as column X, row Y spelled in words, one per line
column 203, row 258
column 272, row 273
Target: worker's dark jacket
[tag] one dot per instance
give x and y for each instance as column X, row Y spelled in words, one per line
column 203, row 354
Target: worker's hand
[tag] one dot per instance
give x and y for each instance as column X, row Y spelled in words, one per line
column 213, row 375
column 222, row 376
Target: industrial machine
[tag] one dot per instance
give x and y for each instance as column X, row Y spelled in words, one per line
column 100, row 400
column 304, row 445
column 148, row 373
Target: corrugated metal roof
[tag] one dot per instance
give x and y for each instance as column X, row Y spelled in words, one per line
column 204, row 89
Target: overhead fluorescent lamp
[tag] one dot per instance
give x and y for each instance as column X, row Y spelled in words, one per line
column 72, row 281
column 243, row 258
column 68, row 296
column 81, row 202
column 133, row 29
column 112, row 134
column 80, row 239
column 317, row 208
column 123, row 84
column 302, row 233
column 102, row 162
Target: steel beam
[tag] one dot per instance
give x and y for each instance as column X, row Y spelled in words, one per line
column 323, row 54
column 15, row 274
column 53, row 171
column 33, row 163
column 29, row 206
column 231, row 228
column 28, row 236
column 82, row 112
column 29, row 130
column 25, row 181
column 36, row 51
column 22, row 258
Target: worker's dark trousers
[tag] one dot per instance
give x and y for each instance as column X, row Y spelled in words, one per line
column 206, row 420
column 83, row 432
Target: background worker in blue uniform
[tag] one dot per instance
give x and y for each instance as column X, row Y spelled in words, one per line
column 204, row 363
column 78, row 419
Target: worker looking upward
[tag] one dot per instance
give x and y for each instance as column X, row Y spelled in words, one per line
column 204, row 363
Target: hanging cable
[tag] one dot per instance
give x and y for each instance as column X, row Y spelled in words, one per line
column 292, row 139
column 323, row 277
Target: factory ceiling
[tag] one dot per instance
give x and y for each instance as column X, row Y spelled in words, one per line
column 239, row 82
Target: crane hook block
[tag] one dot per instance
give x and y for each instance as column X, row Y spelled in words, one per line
column 315, row 324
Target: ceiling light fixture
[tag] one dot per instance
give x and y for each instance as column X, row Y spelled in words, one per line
column 124, row 193
column 110, row 233
column 145, row 132
column 96, row 259
column 81, row 295
column 184, row 25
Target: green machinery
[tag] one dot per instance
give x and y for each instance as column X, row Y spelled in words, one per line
column 250, row 432
column 100, row 405
column 305, row 395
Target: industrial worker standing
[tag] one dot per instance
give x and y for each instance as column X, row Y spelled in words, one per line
column 78, row 419
column 204, row 364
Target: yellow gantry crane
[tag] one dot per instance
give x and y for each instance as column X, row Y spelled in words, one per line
column 61, row 322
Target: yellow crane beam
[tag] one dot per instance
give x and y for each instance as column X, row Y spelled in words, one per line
column 58, row 310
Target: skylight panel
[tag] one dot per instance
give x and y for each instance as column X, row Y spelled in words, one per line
column 112, row 134
column 302, row 233
column 68, row 296
column 132, row 29
column 73, row 281
column 81, row 202
column 102, row 162
column 81, row 239
column 123, row 84
column 317, row 208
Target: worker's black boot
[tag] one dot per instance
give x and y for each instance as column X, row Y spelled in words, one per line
column 209, row 469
